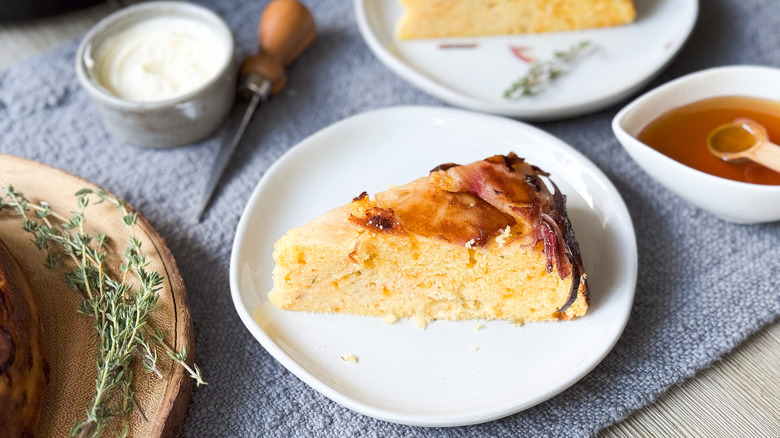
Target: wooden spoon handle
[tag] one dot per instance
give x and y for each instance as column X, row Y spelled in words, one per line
column 286, row 30
column 768, row 154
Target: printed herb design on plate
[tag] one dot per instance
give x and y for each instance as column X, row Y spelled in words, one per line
column 542, row 73
column 120, row 305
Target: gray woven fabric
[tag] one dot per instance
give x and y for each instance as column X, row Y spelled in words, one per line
column 704, row 285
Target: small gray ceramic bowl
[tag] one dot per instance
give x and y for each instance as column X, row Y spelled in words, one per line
column 165, row 123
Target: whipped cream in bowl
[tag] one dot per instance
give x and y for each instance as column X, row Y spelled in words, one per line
column 162, row 74
column 158, row 59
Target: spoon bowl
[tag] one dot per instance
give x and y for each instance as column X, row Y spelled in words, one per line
column 742, row 140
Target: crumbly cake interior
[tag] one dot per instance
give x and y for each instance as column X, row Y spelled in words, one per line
column 464, row 18
column 422, row 252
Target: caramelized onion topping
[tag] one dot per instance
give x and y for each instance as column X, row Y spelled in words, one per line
column 572, row 248
column 444, row 166
column 514, row 187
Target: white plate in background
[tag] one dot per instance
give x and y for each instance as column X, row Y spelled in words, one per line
column 431, row 377
column 625, row 59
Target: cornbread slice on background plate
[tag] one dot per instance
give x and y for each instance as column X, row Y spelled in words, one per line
column 465, row 18
column 486, row 240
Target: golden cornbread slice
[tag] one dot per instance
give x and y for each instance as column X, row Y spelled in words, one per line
column 481, row 241
column 466, row 18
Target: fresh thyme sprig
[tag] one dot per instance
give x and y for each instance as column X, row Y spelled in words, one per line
column 542, row 73
column 120, row 309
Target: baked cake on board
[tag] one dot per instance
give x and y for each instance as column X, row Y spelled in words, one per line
column 22, row 364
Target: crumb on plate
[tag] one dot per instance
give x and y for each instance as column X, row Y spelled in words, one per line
column 351, row 358
column 390, row 319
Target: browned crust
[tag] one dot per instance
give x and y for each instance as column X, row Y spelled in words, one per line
column 22, row 371
column 379, row 220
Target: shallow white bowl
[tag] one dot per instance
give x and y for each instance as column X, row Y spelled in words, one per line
column 730, row 200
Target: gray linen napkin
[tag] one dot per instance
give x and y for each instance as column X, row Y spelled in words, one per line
column 704, row 285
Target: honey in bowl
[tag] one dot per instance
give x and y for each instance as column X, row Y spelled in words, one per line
column 681, row 134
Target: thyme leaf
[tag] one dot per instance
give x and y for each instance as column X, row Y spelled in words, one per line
column 119, row 305
column 541, row 73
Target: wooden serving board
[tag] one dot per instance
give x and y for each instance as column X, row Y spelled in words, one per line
column 69, row 348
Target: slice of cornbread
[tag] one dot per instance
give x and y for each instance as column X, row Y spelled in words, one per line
column 486, row 240
column 465, row 18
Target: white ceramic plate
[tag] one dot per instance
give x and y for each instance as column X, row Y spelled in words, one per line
column 430, row 377
column 626, row 58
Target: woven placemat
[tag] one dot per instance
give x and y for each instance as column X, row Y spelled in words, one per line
column 704, row 285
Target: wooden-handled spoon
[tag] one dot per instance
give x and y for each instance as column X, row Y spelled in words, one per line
column 285, row 31
column 741, row 140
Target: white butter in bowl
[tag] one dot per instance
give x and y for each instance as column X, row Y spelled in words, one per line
column 162, row 74
column 159, row 58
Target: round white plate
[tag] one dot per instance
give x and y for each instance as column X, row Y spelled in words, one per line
column 625, row 59
column 431, row 377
